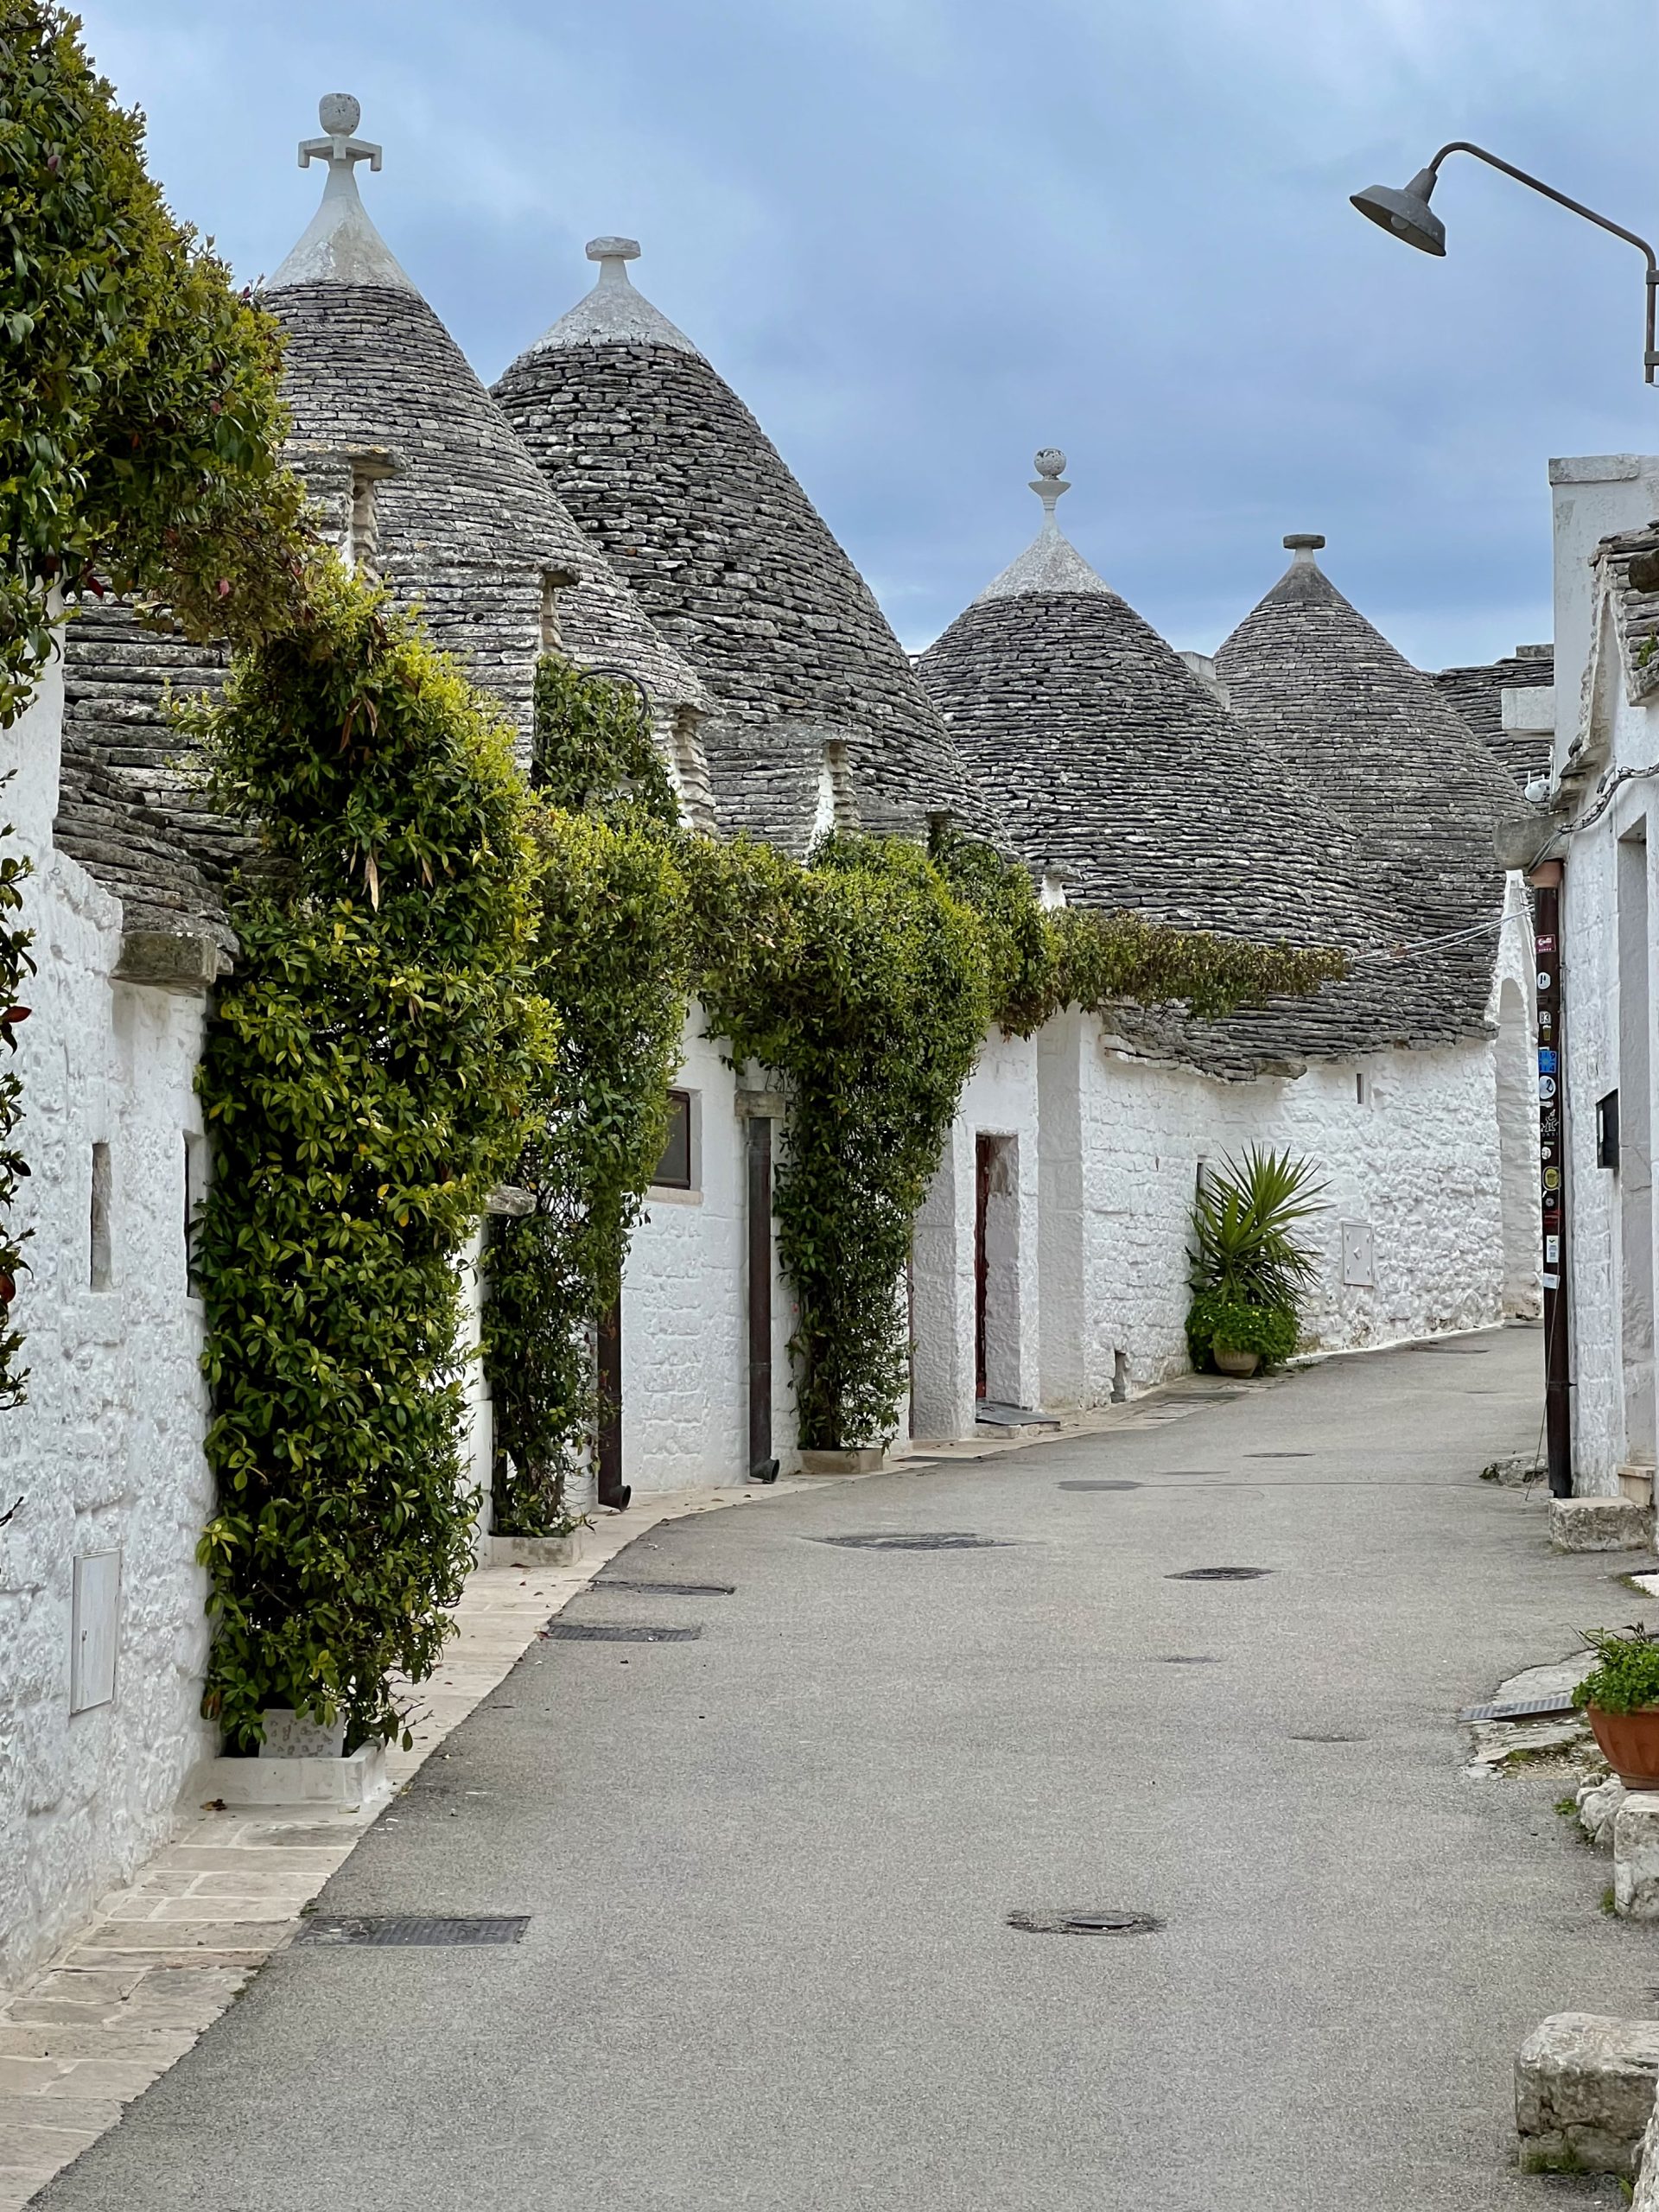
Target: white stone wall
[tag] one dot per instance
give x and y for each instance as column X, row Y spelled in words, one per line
column 106, row 1454
column 684, row 1304
column 1000, row 1100
column 1413, row 1170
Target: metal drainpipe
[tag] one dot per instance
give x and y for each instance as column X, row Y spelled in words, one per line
column 1547, row 879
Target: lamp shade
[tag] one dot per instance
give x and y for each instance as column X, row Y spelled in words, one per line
column 1406, row 214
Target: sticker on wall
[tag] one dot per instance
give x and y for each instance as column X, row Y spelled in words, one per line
column 1545, row 1060
column 1546, row 1019
column 1545, row 944
column 1546, row 1086
column 1552, row 1250
column 1550, row 1124
column 1544, row 979
column 1552, row 1178
column 1552, row 1282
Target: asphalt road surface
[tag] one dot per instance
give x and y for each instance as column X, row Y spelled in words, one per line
column 768, row 1869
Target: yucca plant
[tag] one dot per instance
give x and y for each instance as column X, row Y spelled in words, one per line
column 1249, row 1268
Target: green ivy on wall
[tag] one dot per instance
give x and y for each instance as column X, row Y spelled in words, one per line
column 609, row 960
column 861, row 981
column 367, row 1080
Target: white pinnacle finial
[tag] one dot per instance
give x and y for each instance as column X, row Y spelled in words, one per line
column 613, row 256
column 1302, row 545
column 340, row 245
column 340, row 115
column 1049, row 487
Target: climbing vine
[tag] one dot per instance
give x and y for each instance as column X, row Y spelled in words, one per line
column 140, row 434
column 367, row 1080
column 609, row 960
column 861, row 980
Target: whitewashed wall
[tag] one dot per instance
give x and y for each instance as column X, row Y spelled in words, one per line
column 1413, row 1167
column 999, row 1100
column 106, row 1455
column 684, row 1304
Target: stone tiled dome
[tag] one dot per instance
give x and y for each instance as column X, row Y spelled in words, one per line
column 1119, row 764
column 1376, row 740
column 664, row 467
column 464, row 522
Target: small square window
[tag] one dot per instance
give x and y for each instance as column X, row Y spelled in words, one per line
column 674, row 1168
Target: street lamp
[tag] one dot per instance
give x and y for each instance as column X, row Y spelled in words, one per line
column 1408, row 215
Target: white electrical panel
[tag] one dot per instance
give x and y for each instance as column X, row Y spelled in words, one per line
column 1359, row 1270
column 96, row 1630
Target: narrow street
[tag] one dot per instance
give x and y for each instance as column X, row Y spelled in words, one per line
column 768, row 1868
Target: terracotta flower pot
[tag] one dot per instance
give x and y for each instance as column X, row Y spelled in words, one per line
column 1630, row 1743
column 1229, row 1362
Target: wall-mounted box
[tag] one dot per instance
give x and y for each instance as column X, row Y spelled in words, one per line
column 95, row 1630
column 1359, row 1266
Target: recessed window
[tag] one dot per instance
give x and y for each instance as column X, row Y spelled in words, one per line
column 674, row 1168
column 195, row 1189
column 552, row 638
column 1361, row 1088
column 101, row 1270
column 365, row 525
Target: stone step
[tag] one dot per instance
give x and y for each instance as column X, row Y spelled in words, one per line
column 1584, row 2092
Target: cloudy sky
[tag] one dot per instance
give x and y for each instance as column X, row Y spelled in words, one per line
column 923, row 237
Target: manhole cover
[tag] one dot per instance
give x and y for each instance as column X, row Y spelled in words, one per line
column 1102, row 1486
column 668, row 1589
column 393, row 1929
column 1278, row 1455
column 1219, row 1574
column 932, row 1540
column 566, row 1632
column 1112, row 1922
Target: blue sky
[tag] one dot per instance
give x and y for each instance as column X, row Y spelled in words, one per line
column 922, row 237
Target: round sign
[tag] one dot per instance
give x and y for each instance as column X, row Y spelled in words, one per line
column 1546, row 1086
column 1544, row 979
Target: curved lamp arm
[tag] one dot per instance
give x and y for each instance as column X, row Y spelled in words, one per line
column 1650, row 356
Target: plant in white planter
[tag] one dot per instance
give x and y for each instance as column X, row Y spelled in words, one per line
column 1250, row 1271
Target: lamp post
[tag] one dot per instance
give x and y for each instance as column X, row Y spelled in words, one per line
column 1408, row 215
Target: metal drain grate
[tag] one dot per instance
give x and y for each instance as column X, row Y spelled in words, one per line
column 931, row 1539
column 1219, row 1574
column 397, row 1930
column 1111, row 1922
column 1278, row 1455
column 668, row 1589
column 563, row 1631
column 1102, row 1486
column 1322, row 1736
column 1188, row 1659
column 1523, row 1708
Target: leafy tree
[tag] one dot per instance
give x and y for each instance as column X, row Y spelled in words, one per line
column 140, row 422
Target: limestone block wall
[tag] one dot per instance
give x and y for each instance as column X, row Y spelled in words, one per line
column 1000, row 1100
column 1407, row 1142
column 105, row 1457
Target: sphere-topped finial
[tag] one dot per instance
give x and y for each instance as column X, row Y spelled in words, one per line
column 1050, row 461
column 339, row 114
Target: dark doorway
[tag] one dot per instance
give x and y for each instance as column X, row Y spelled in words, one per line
column 984, row 1168
column 613, row 1491
column 763, row 1467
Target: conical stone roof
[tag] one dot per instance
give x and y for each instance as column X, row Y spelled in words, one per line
column 1116, row 763
column 1381, row 746
column 463, row 521
column 664, row 467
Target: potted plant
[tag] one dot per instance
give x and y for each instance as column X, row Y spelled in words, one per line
column 1619, row 1697
column 1249, row 1270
